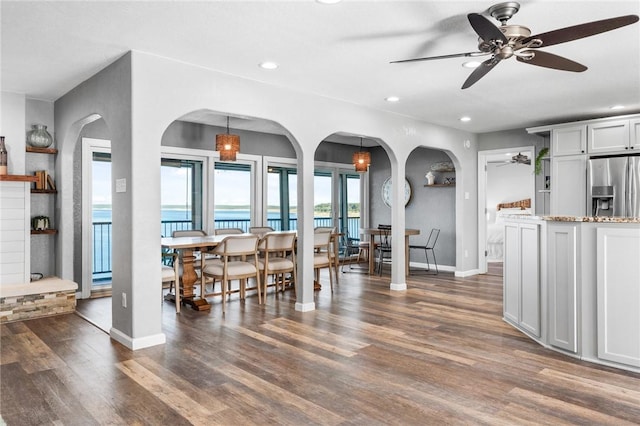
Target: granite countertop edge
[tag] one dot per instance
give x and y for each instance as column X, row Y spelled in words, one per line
column 591, row 219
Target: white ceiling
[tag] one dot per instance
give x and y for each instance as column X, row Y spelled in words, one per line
column 339, row 51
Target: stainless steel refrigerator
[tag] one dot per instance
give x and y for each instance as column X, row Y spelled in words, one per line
column 613, row 186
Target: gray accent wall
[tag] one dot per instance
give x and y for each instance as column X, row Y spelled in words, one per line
column 428, row 208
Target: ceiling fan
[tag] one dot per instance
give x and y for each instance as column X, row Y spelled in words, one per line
column 520, row 158
column 516, row 40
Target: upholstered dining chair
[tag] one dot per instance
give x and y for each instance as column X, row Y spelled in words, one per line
column 333, row 252
column 170, row 270
column 277, row 258
column 260, row 230
column 227, row 231
column 238, row 261
column 322, row 255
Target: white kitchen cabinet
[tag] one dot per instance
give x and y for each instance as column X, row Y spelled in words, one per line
column 568, row 185
column 608, row 136
column 522, row 276
column 634, row 126
column 618, row 295
column 569, row 140
column 562, row 260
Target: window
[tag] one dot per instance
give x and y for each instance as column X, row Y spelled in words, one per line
column 350, row 211
column 232, row 196
column 282, row 184
column 181, row 195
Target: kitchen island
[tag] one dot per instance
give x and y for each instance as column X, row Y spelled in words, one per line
column 572, row 284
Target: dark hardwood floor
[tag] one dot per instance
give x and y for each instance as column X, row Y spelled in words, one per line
column 438, row 353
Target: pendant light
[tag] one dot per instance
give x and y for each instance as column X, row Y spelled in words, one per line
column 228, row 145
column 361, row 159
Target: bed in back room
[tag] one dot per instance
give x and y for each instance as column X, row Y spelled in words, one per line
column 495, row 228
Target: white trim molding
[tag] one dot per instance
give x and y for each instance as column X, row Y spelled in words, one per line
column 137, row 343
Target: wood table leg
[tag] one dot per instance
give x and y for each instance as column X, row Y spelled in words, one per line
column 189, row 277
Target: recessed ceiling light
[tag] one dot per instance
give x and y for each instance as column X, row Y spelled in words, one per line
column 268, row 65
column 465, row 119
column 617, row 107
column 471, row 64
column 392, row 99
column 328, row 1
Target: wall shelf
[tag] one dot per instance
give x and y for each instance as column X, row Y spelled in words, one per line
column 18, row 178
column 42, row 150
column 44, row 231
column 440, row 185
column 44, row 191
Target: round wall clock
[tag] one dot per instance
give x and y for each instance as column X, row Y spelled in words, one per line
column 386, row 192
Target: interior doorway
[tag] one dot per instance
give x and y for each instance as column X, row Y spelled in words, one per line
column 504, row 176
column 96, row 217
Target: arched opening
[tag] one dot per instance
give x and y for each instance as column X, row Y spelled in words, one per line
column 432, row 208
column 201, row 191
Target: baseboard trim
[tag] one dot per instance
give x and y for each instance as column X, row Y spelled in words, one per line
column 305, row 307
column 138, row 343
column 398, row 287
column 422, row 265
column 464, row 274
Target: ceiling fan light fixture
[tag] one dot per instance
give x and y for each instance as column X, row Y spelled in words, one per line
column 328, row 1
column 471, row 64
column 465, row 119
column 392, row 99
column 228, row 145
column 268, row 65
column 616, row 107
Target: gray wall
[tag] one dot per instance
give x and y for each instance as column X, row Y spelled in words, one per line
column 428, row 208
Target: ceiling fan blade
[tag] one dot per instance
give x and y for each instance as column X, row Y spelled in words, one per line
column 454, row 55
column 564, row 35
column 480, row 72
column 549, row 60
column 485, row 29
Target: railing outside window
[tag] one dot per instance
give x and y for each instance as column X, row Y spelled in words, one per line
column 102, row 236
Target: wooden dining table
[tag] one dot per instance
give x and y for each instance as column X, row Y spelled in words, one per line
column 185, row 246
column 372, row 232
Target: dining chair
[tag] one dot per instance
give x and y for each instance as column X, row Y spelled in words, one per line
column 333, row 252
column 238, row 261
column 260, row 230
column 322, row 255
column 227, row 231
column 383, row 246
column 277, row 258
column 429, row 247
column 352, row 251
column 170, row 271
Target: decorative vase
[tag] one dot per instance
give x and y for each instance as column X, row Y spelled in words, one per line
column 39, row 137
column 431, row 178
column 4, row 158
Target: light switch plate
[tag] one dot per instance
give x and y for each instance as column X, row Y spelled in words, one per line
column 121, row 185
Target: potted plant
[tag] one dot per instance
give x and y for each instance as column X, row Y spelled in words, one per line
column 538, row 162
